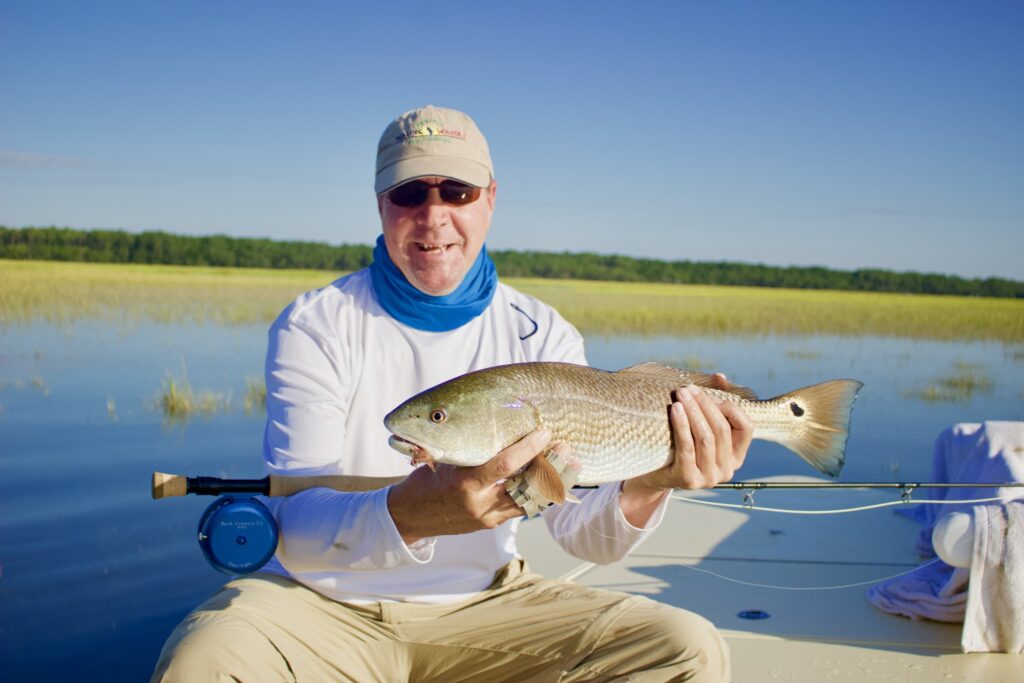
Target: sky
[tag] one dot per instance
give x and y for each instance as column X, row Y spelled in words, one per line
column 845, row 134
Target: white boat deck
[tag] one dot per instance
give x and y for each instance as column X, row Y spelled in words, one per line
column 809, row 635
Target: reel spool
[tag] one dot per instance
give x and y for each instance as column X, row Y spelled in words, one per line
column 237, row 534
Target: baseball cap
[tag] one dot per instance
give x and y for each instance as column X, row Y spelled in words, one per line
column 432, row 141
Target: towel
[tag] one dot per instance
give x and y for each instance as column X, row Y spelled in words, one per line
column 966, row 453
column 991, row 610
column 994, row 620
column 933, row 591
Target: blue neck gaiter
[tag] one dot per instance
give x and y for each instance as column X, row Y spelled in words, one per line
column 417, row 309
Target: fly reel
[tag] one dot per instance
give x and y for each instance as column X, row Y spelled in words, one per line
column 237, row 534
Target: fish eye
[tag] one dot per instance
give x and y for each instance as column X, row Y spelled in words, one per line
column 438, row 415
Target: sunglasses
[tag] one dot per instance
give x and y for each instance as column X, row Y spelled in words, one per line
column 414, row 193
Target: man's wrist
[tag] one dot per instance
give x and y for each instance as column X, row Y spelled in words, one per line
column 639, row 499
column 404, row 523
column 643, row 489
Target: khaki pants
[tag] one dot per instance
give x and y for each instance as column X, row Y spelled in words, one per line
column 523, row 628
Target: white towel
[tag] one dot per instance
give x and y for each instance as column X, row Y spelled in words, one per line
column 994, row 621
column 970, row 452
column 967, row 453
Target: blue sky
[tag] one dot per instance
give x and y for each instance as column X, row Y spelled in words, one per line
column 844, row 134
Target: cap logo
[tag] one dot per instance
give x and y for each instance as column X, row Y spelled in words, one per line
column 430, row 130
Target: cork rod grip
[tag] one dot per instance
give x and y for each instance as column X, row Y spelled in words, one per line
column 286, row 486
column 169, row 485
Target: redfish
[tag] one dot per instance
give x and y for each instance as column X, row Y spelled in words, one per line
column 615, row 422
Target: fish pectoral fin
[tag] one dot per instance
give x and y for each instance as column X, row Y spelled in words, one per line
column 542, row 476
column 678, row 378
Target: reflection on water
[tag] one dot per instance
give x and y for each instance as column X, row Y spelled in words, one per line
column 93, row 574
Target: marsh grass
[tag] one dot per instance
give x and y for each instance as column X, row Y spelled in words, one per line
column 691, row 363
column 695, row 310
column 255, row 397
column 39, row 384
column 59, row 292
column 36, row 383
column 960, row 385
column 62, row 292
column 178, row 402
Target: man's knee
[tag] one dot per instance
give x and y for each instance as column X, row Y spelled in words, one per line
column 219, row 648
column 675, row 640
column 690, row 634
column 652, row 641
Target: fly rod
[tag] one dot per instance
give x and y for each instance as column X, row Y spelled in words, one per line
column 172, row 485
column 908, row 486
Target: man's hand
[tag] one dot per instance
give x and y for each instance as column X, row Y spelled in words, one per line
column 458, row 500
column 710, row 440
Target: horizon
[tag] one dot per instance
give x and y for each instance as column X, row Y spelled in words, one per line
column 862, row 136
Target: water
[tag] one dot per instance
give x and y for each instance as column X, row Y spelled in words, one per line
column 94, row 574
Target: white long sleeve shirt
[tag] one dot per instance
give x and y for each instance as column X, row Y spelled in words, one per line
column 337, row 363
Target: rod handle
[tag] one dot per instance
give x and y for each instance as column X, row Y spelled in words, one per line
column 172, row 485
column 285, row 486
column 169, row 485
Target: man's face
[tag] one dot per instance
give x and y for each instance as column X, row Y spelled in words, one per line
column 435, row 244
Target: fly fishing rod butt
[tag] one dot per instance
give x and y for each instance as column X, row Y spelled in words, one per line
column 169, row 485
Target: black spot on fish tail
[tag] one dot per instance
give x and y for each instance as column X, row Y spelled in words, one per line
column 823, row 411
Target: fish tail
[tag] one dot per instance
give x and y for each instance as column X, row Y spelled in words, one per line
column 818, row 423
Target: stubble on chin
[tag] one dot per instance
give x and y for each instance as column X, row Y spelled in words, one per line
column 436, row 279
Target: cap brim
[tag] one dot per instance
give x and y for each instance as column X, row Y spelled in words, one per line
column 403, row 170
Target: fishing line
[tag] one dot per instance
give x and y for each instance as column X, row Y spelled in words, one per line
column 589, row 524
column 837, row 511
column 806, row 588
column 586, row 567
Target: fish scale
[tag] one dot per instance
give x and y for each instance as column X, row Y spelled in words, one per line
column 615, row 422
column 613, row 439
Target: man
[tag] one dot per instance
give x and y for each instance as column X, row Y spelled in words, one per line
column 422, row 580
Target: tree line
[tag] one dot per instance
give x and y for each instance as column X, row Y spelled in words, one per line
column 116, row 246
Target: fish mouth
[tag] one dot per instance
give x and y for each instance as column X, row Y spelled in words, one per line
column 418, row 453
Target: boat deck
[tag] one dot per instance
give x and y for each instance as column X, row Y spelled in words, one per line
column 809, row 635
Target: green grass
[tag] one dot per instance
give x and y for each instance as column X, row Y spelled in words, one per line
column 801, row 354
column 255, row 397
column 64, row 292
column 692, row 363
column 61, row 292
column 37, row 383
column 178, row 402
column 960, row 385
column 694, row 310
